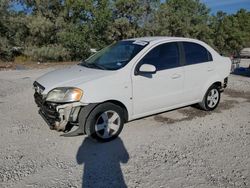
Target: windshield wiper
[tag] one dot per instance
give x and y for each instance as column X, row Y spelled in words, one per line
column 84, row 63
column 98, row 66
column 92, row 65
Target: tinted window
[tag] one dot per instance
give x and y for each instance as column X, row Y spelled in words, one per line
column 164, row 56
column 196, row 53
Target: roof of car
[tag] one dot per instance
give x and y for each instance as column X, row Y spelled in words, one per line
column 246, row 49
column 160, row 38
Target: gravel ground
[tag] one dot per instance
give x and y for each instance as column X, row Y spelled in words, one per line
column 181, row 148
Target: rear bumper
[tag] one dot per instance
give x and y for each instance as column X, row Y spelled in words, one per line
column 225, row 83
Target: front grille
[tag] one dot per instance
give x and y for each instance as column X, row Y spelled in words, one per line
column 50, row 111
column 47, row 110
column 38, row 99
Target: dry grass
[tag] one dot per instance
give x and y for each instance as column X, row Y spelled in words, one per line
column 32, row 65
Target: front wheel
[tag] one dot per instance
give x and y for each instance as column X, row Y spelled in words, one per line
column 105, row 122
column 211, row 98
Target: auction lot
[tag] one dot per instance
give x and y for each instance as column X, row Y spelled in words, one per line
column 181, row 148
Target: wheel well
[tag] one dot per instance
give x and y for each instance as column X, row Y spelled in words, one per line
column 219, row 84
column 118, row 103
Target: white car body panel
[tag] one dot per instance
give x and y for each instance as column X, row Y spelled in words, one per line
column 142, row 96
column 71, row 77
column 149, row 95
column 195, row 77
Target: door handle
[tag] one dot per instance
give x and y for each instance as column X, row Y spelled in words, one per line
column 210, row 69
column 175, row 76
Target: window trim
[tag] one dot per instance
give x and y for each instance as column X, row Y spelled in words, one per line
column 181, row 60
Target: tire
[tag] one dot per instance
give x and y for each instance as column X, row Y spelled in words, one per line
column 211, row 98
column 105, row 122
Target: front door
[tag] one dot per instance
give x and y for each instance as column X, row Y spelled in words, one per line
column 153, row 93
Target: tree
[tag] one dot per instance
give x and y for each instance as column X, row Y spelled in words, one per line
column 124, row 15
column 5, row 36
column 175, row 18
column 231, row 32
column 59, row 30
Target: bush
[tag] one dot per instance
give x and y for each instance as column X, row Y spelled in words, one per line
column 21, row 59
column 5, row 50
column 76, row 44
column 47, row 53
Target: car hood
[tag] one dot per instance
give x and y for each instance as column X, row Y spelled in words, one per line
column 70, row 77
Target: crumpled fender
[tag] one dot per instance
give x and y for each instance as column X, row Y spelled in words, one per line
column 82, row 118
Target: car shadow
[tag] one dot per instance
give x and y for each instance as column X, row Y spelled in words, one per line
column 102, row 163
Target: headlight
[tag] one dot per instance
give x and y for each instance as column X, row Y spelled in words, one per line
column 64, row 95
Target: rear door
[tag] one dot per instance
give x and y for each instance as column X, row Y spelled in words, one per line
column 198, row 69
column 161, row 90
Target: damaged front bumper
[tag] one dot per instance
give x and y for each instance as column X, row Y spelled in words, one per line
column 58, row 116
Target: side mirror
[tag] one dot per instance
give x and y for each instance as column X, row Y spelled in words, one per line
column 147, row 69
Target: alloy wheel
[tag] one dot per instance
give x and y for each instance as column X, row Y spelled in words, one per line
column 107, row 124
column 213, row 98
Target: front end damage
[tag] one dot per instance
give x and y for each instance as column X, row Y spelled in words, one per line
column 60, row 117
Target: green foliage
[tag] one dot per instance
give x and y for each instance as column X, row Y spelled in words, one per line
column 183, row 18
column 231, row 32
column 60, row 30
column 74, row 39
column 21, row 59
column 131, row 18
column 5, row 39
column 47, row 53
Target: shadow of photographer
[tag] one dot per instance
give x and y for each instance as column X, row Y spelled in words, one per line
column 102, row 163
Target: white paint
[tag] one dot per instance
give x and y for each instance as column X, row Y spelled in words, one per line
column 164, row 90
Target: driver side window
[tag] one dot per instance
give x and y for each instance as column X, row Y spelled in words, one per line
column 164, row 56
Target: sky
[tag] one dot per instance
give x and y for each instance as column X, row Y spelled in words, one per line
column 228, row 6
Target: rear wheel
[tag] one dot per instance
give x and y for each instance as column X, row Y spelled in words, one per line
column 105, row 122
column 211, row 98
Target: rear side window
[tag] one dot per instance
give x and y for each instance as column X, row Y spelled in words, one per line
column 195, row 53
column 164, row 56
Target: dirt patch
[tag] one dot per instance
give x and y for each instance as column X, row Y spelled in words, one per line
column 162, row 119
column 189, row 114
column 6, row 66
column 226, row 105
column 193, row 112
column 238, row 94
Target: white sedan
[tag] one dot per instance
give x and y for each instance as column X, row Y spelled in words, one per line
column 131, row 79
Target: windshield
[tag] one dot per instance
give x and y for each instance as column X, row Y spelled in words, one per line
column 115, row 56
